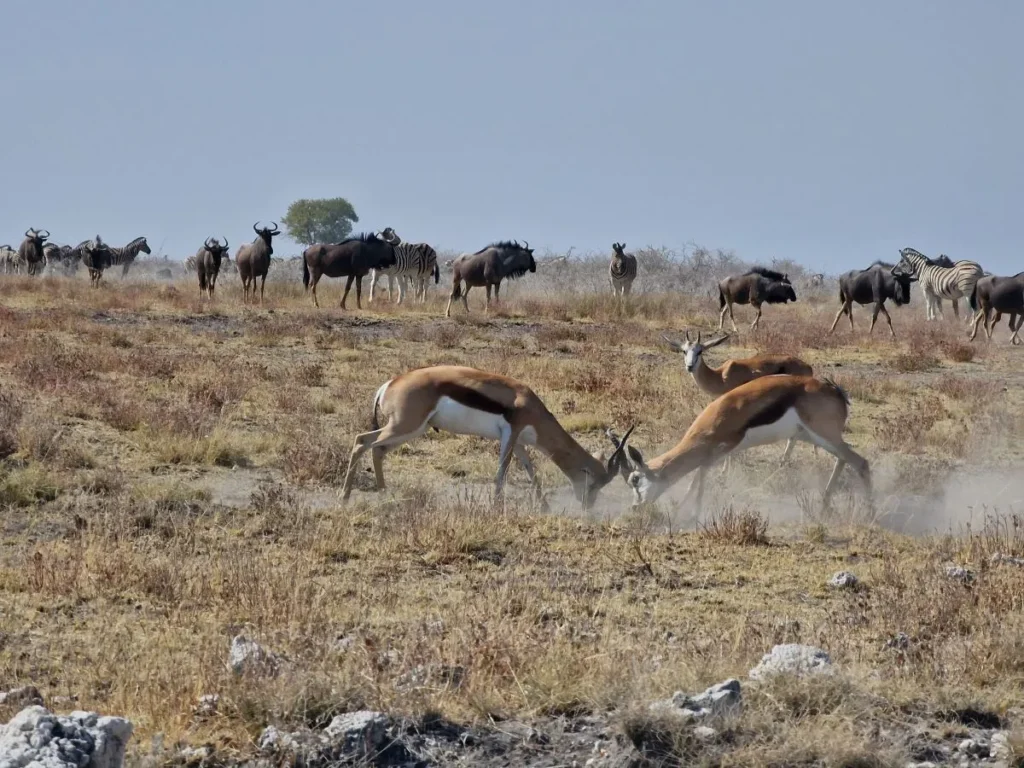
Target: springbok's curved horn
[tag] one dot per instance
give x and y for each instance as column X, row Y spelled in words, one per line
column 686, row 335
column 698, row 337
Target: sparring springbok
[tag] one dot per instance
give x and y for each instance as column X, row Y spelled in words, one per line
column 760, row 412
column 732, row 373
column 467, row 401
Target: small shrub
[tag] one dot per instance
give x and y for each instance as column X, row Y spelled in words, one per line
column 913, row 362
column 745, row 528
column 958, row 351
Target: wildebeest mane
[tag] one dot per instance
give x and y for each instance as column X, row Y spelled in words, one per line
column 500, row 244
column 771, row 274
column 880, row 263
column 363, row 237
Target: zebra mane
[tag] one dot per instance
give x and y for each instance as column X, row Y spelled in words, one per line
column 135, row 242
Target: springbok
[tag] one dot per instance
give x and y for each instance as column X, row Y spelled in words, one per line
column 467, row 401
column 733, row 373
column 760, row 412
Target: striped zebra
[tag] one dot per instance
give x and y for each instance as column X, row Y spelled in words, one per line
column 10, row 260
column 937, row 283
column 414, row 261
column 622, row 270
column 126, row 255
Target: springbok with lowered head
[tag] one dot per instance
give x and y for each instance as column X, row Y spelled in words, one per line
column 733, row 373
column 467, row 401
column 760, row 412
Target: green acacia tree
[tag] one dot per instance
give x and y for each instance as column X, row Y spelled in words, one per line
column 320, row 221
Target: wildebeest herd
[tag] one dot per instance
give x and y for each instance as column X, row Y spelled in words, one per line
column 385, row 254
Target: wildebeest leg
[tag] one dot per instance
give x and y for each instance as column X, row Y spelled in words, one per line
column 314, row 278
column 842, row 309
column 721, row 317
column 456, row 290
column 359, row 291
column 488, row 289
column 1015, row 339
column 263, row 282
column 888, row 320
column 757, row 318
column 497, row 290
column 465, row 298
column 348, row 287
column 991, row 327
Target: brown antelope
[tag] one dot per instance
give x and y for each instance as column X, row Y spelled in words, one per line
column 760, row 412
column 467, row 401
column 733, row 373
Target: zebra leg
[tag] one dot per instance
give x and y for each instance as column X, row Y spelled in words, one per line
column 977, row 320
column 373, row 284
column 401, row 288
column 956, row 309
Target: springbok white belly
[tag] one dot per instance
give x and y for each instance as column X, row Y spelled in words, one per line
column 786, row 427
column 453, row 416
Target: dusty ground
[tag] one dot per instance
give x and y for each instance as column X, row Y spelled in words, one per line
column 172, row 473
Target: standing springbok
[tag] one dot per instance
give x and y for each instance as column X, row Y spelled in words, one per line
column 467, row 401
column 760, row 412
column 733, row 373
column 622, row 270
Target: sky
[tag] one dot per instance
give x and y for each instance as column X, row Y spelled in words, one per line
column 828, row 133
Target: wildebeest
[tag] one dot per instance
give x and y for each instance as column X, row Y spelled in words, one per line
column 488, row 267
column 208, row 259
column 1001, row 294
column 872, row 285
column 253, row 260
column 30, row 252
column 755, row 287
column 96, row 257
column 352, row 258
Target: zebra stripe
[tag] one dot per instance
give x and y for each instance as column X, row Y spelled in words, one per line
column 952, row 283
column 126, row 254
column 413, row 261
column 622, row 270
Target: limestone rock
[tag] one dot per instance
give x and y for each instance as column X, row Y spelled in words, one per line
column 793, row 659
column 36, row 737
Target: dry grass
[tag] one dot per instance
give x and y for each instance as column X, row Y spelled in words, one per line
column 170, row 471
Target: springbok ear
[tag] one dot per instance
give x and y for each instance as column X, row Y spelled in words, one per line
column 676, row 345
column 715, row 342
column 635, row 458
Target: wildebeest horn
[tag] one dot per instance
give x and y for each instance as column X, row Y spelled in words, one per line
column 225, row 246
column 206, row 243
column 30, row 232
column 527, row 245
column 273, row 228
column 256, row 228
column 40, row 232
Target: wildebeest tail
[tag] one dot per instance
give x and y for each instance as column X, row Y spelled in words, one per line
column 721, row 297
column 305, row 275
column 972, row 300
column 202, row 280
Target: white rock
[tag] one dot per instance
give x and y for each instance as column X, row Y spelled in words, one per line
column 1000, row 748
column 26, row 696
column 249, row 656
column 843, row 580
column 973, row 748
column 959, row 573
column 718, row 700
column 36, row 738
column 362, row 732
column 999, row 559
column 207, row 705
column 705, row 733
column 793, row 659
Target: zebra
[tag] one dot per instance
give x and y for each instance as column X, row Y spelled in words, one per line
column 126, row 255
column 937, row 283
column 10, row 260
column 622, row 270
column 414, row 261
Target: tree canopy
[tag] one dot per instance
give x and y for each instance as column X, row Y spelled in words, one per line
column 320, row 221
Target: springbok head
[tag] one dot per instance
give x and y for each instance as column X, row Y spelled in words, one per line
column 586, row 487
column 692, row 349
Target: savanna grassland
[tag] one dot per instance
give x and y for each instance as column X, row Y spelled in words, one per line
column 171, row 473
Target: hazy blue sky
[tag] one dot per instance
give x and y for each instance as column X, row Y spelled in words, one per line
column 832, row 133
